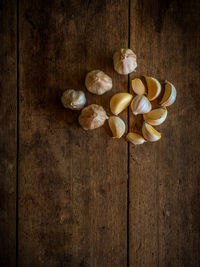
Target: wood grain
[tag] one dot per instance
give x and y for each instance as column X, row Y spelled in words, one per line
column 8, row 133
column 73, row 183
column 164, row 176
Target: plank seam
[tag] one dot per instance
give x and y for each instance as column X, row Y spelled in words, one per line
column 17, row 156
column 128, row 145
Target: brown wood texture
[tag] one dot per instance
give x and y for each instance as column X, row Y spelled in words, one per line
column 73, row 183
column 164, row 225
column 8, row 133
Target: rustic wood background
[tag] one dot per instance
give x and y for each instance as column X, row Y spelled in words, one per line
column 75, row 198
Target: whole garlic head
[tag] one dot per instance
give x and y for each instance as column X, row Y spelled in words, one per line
column 92, row 117
column 124, row 61
column 140, row 105
column 97, row 82
column 73, row 99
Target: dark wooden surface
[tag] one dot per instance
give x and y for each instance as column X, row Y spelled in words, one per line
column 81, row 198
column 8, row 132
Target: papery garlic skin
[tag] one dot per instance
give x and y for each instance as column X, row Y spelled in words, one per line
column 124, row 61
column 119, row 102
column 154, row 88
column 92, row 117
column 117, row 126
column 169, row 95
column 149, row 133
column 97, row 82
column 135, row 138
column 73, row 99
column 156, row 116
column 138, row 86
column 140, row 105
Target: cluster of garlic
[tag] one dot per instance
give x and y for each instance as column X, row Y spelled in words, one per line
column 97, row 82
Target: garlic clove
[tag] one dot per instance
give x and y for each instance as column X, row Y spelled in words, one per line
column 124, row 61
column 73, row 99
column 92, row 117
column 169, row 95
column 135, row 138
column 97, row 82
column 117, row 126
column 149, row 133
column 140, row 105
column 138, row 86
column 156, row 116
column 119, row 102
column 154, row 88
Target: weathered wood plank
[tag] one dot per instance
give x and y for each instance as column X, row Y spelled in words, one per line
column 164, row 176
column 72, row 187
column 8, row 133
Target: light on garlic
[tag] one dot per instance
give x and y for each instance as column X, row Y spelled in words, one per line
column 140, row 105
column 97, row 82
column 169, row 95
column 149, row 133
column 92, row 117
column 119, row 102
column 138, row 87
column 117, row 126
column 124, row 61
column 154, row 88
column 73, row 99
column 156, row 116
column 135, row 138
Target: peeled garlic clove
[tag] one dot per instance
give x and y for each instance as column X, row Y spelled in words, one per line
column 124, row 61
column 149, row 133
column 92, row 117
column 156, row 116
column 119, row 102
column 135, row 138
column 73, row 99
column 140, row 105
column 169, row 95
column 138, row 86
column 154, row 88
column 117, row 126
column 97, row 82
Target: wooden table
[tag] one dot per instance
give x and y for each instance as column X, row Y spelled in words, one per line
column 77, row 198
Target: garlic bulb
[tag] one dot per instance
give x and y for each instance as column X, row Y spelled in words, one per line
column 97, row 82
column 140, row 105
column 92, row 117
column 150, row 133
column 169, row 95
column 73, row 99
column 156, row 116
column 154, row 88
column 124, row 61
column 119, row 102
column 138, row 86
column 117, row 126
column 135, row 138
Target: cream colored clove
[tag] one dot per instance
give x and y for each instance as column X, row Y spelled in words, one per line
column 156, row 116
column 149, row 133
column 135, row 138
column 138, row 87
column 119, row 102
column 92, row 117
column 117, row 126
column 124, row 61
column 169, row 95
column 97, row 82
column 73, row 99
column 154, row 88
column 140, row 105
